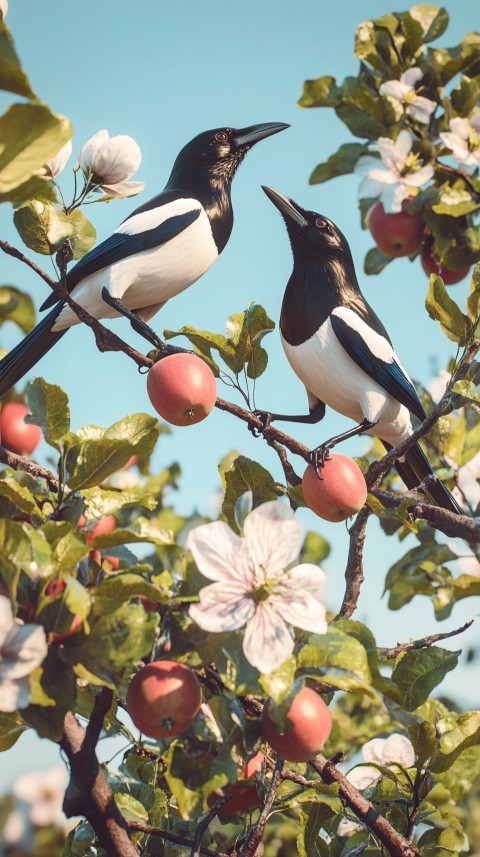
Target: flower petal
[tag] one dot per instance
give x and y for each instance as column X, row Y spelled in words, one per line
column 274, row 537
column 24, row 649
column 392, row 197
column 123, row 189
column 220, row 554
column 422, row 108
column 89, row 150
column 395, row 89
column 267, row 643
column 398, row 748
column 307, row 576
column 300, row 609
column 420, row 177
column 117, row 159
column 6, row 618
column 367, row 164
column 14, row 694
column 222, row 607
column 362, row 776
column 411, row 77
column 402, row 148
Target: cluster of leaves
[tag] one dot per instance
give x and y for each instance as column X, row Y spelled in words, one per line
column 387, row 47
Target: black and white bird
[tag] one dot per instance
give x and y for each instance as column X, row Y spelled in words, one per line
column 340, row 350
column 156, row 253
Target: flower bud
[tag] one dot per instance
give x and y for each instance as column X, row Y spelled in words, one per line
column 111, row 161
column 3, row 8
column 54, row 166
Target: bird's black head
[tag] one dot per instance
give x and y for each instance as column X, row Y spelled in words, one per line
column 218, row 153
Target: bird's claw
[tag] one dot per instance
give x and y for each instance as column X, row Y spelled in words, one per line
column 265, row 418
column 318, row 457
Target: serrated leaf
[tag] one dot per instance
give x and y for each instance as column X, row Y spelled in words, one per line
column 419, row 671
column 83, row 234
column 30, row 135
column 12, row 76
column 240, row 475
column 16, row 306
column 42, row 227
column 442, row 308
column 339, row 164
column 48, row 404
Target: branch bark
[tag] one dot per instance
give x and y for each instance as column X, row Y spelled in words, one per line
column 354, row 568
column 171, row 837
column 396, row 844
column 254, row 840
column 423, row 643
column 19, row 462
column 10, row 250
column 88, row 792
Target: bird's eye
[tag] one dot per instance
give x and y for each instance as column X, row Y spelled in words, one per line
column 320, row 223
column 221, row 137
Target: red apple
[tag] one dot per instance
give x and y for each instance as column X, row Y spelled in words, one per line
column 77, row 622
column 131, row 461
column 396, row 234
column 55, row 587
column 104, row 525
column 243, row 795
column 431, row 265
column 15, row 434
column 182, row 389
column 163, row 699
column 312, row 724
column 339, row 493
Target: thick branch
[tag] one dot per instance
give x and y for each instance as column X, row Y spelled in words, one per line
column 88, row 791
column 18, row 462
column 354, row 569
column 456, row 526
column 394, row 842
column 423, row 643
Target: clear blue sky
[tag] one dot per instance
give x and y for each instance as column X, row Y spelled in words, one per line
column 162, row 73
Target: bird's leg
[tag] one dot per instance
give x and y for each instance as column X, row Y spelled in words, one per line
column 319, row 455
column 137, row 324
column 315, row 414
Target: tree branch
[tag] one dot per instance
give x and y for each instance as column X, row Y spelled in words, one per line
column 203, row 823
column 171, row 837
column 396, row 844
column 88, row 792
column 12, row 251
column 19, row 462
column 354, row 568
column 456, row 526
column 423, row 643
column 250, row 847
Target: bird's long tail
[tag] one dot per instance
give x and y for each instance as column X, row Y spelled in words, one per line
column 414, row 468
column 28, row 352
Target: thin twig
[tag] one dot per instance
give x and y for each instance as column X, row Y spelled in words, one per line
column 354, row 568
column 12, row 251
column 396, row 844
column 423, row 643
column 203, row 823
column 250, row 847
column 171, row 837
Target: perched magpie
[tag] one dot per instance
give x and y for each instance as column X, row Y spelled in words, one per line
column 156, row 253
column 339, row 348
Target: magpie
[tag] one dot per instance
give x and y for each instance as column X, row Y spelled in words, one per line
column 163, row 247
column 340, row 350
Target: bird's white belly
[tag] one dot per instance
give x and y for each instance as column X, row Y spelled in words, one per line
column 147, row 278
column 328, row 372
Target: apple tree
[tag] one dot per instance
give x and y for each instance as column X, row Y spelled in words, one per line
column 254, row 721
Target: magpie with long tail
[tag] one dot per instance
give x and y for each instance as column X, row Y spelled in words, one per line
column 340, row 350
column 156, row 253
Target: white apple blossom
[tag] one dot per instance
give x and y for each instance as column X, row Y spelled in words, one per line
column 54, row 166
column 42, row 794
column 392, row 177
column 396, row 749
column 254, row 586
column 468, row 491
column 22, row 649
column 4, row 8
column 464, row 141
column 403, row 90
column 437, row 386
column 347, row 827
column 111, row 161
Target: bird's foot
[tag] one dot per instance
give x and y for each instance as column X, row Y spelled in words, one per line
column 265, row 418
column 318, row 457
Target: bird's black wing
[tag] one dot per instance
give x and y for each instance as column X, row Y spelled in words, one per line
column 388, row 374
column 120, row 245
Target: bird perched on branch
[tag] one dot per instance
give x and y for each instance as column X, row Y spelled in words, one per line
column 156, row 253
column 339, row 348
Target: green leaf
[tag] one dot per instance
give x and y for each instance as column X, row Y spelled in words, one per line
column 203, row 341
column 455, row 201
column 12, row 76
column 16, row 306
column 419, row 671
column 246, row 331
column 456, row 734
column 322, row 92
column 309, row 841
column 67, row 543
column 36, row 187
column 375, row 261
column 83, row 234
column 448, row 62
column 432, row 21
column 423, row 736
column 339, row 164
column 42, row 227
column 338, row 659
column 442, row 308
column 48, row 404
column 473, row 300
column 279, row 683
column 52, row 698
column 56, row 614
column 116, row 642
column 21, row 549
column 242, row 474
column 94, row 453
column 30, row 134
column 126, row 585
column 100, row 502
column 467, row 389
column 314, row 549
column 11, row 727
column 19, row 495
column 131, row 809
column 375, row 45
column 466, row 95
column 140, row 530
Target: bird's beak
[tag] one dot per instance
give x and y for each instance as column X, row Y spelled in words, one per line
column 251, row 135
column 285, row 206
